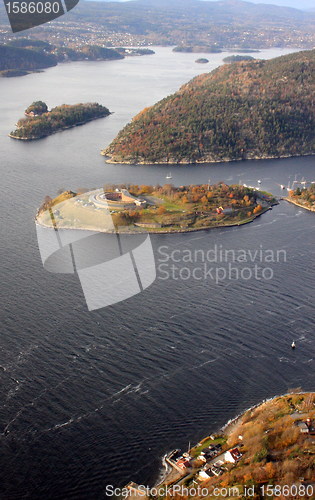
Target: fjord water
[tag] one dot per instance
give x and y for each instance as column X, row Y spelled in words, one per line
column 91, row 399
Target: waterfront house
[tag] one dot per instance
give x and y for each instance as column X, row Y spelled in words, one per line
column 203, row 476
column 199, row 461
column 216, row 471
column 183, row 463
column 212, row 451
column 232, row 455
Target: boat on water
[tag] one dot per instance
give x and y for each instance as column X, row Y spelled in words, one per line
column 169, row 176
column 293, row 345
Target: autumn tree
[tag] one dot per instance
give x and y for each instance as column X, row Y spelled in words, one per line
column 204, row 200
column 161, row 210
column 257, row 209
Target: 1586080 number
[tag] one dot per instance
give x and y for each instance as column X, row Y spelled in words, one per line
column 285, row 490
column 33, row 7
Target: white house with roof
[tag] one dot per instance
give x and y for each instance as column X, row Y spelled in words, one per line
column 230, row 456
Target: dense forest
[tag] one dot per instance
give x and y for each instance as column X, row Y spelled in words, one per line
column 27, row 43
column 87, row 52
column 255, row 109
column 59, row 118
column 232, row 59
column 36, row 108
column 98, row 53
column 18, row 58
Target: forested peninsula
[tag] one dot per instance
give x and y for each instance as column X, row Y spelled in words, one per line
column 39, row 122
column 22, row 56
column 245, row 110
column 18, row 60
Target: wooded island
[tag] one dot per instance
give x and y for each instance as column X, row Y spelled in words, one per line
column 39, row 122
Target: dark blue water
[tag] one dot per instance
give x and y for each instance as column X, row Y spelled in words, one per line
column 89, row 399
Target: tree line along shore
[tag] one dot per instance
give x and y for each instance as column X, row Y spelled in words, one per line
column 23, row 55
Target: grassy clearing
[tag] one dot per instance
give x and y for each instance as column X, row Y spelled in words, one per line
column 205, row 443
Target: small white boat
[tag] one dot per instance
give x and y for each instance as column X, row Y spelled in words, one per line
column 282, row 186
column 259, row 181
column 169, row 176
column 293, row 345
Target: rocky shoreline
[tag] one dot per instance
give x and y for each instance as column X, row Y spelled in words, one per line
column 197, row 162
column 290, row 200
column 148, row 231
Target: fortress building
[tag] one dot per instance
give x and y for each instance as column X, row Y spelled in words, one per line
column 119, row 199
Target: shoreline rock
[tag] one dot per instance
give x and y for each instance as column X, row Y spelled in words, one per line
column 198, row 162
column 290, row 200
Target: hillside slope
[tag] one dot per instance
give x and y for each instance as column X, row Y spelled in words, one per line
column 25, row 54
column 255, row 109
column 20, row 58
column 226, row 22
column 276, row 443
